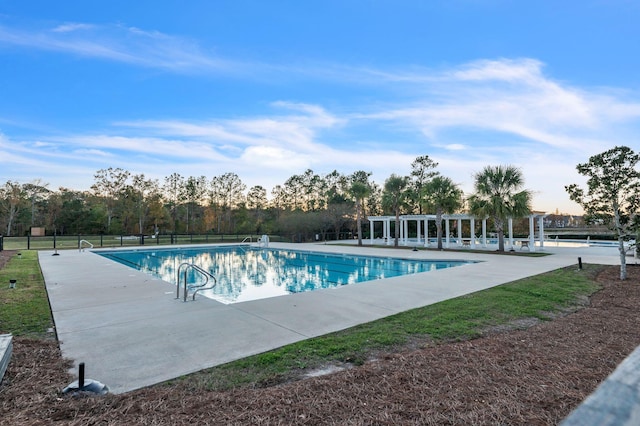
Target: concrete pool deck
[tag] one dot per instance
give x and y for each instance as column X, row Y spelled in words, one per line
column 131, row 332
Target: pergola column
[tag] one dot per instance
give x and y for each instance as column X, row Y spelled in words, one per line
column 387, row 231
column 371, row 229
column 404, row 231
column 426, row 232
column 460, row 232
column 541, row 230
column 484, row 233
column 447, row 231
column 532, row 230
column 510, row 222
column 473, row 232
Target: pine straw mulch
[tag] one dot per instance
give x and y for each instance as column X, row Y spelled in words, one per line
column 534, row 377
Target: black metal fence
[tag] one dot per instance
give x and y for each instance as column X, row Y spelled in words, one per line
column 61, row 242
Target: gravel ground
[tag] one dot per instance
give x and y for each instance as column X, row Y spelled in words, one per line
column 519, row 377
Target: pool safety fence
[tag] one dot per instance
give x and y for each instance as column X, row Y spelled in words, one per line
column 55, row 242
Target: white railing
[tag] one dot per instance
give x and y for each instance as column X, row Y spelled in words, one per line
column 80, row 248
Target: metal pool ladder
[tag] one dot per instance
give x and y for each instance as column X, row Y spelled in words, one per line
column 185, row 267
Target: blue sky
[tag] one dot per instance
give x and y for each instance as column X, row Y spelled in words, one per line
column 268, row 89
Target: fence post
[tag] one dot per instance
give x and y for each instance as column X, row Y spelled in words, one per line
column 1, row 242
column 28, row 241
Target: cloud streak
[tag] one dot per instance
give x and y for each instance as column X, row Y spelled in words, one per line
column 515, row 98
column 119, row 43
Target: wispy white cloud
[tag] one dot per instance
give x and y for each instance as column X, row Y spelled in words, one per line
column 72, row 26
column 119, row 43
column 511, row 97
column 297, row 131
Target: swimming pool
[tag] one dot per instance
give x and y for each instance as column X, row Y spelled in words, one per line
column 248, row 273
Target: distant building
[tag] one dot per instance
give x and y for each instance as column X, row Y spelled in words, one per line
column 562, row 220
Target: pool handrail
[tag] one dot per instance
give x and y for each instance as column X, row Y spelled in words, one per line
column 198, row 288
column 80, row 245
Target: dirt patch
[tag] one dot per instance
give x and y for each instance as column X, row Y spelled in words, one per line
column 532, row 376
column 5, row 255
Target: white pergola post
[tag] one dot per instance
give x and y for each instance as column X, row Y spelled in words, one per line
column 404, row 231
column 473, row 233
column 510, row 221
column 426, row 232
column 447, row 232
column 387, row 231
column 484, row 233
column 532, row 230
column 541, row 230
column 371, row 229
column 460, row 232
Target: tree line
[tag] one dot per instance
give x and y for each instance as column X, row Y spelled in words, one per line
column 120, row 202
column 307, row 204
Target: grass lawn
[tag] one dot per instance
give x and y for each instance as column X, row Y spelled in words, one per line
column 25, row 311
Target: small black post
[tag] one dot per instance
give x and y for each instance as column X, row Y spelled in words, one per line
column 579, row 263
column 81, row 375
column 29, row 241
column 1, row 242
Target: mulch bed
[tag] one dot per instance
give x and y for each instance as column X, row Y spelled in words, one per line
column 534, row 377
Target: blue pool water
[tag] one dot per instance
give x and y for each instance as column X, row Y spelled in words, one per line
column 248, row 273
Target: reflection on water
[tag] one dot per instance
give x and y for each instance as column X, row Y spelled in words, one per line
column 246, row 273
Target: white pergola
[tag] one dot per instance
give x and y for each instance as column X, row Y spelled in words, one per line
column 422, row 226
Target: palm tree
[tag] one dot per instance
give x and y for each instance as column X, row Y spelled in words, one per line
column 442, row 196
column 496, row 197
column 359, row 191
column 393, row 198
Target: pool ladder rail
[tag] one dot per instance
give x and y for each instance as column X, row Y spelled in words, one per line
column 186, row 287
column 80, row 248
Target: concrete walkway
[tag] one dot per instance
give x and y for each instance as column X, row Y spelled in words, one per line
column 131, row 332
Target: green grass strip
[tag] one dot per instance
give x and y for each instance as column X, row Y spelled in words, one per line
column 24, row 310
column 540, row 297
